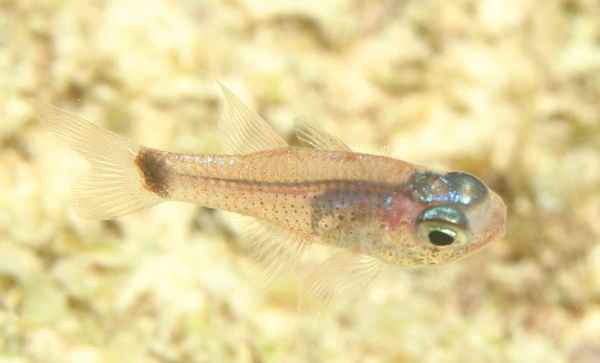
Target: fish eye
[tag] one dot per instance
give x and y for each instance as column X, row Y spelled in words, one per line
column 442, row 226
column 441, row 237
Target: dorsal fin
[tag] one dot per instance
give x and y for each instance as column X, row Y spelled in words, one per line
column 243, row 131
column 387, row 150
column 272, row 251
column 314, row 135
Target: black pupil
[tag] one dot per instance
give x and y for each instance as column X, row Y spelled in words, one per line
column 439, row 238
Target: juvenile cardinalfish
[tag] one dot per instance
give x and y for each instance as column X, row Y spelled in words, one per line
column 379, row 210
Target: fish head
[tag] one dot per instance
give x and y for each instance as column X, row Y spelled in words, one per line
column 445, row 217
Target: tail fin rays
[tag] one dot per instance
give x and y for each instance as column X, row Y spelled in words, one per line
column 113, row 186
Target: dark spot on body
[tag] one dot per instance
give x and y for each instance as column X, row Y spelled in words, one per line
column 152, row 167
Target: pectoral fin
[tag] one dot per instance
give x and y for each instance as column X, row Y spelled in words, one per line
column 342, row 275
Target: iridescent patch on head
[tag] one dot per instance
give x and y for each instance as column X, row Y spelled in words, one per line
column 457, row 187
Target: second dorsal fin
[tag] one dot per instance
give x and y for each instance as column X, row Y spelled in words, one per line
column 243, row 131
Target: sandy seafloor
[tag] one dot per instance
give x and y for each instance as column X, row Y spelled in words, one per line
column 506, row 90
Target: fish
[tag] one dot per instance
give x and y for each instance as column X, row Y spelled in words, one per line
column 378, row 210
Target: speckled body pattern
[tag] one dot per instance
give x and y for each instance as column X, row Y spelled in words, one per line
column 380, row 210
column 331, row 196
column 343, row 199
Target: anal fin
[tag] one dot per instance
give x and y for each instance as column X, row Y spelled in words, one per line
column 272, row 252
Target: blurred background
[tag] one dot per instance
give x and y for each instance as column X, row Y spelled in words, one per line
column 507, row 90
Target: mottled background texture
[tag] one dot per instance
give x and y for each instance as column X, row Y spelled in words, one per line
column 508, row 90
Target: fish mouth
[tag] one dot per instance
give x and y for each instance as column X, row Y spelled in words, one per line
column 497, row 217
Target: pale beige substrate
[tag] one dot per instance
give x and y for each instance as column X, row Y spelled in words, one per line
column 506, row 90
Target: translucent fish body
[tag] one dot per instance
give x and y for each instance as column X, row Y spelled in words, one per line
column 379, row 210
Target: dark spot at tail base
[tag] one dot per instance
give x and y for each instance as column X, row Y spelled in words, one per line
column 151, row 164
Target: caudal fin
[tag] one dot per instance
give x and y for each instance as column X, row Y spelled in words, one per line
column 113, row 186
